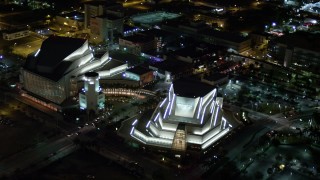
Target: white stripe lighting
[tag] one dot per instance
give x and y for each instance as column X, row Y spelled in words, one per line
column 132, row 129
column 172, row 103
column 155, row 119
column 165, row 113
column 148, row 124
column 134, row 122
column 200, row 106
column 163, row 102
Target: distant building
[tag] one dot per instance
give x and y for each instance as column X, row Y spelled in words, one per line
column 200, row 31
column 212, row 19
column 74, row 20
column 143, row 75
column 103, row 18
column 215, row 79
column 137, row 43
column 190, row 116
column 93, row 9
column 300, row 49
column 258, row 39
column 15, row 34
column 91, row 97
column 170, row 70
column 103, row 27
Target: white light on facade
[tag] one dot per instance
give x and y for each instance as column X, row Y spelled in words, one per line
column 200, row 106
column 172, row 103
column 132, row 129
column 155, row 119
column 134, row 122
column 165, row 114
column 37, row 53
column 148, row 124
column 163, row 102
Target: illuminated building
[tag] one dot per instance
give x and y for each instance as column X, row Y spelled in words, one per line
column 74, row 20
column 103, row 18
column 16, row 34
column 51, row 74
column 137, row 43
column 143, row 75
column 91, row 98
column 299, row 50
column 191, row 114
column 97, row 8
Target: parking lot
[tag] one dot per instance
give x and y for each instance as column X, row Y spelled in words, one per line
column 20, row 129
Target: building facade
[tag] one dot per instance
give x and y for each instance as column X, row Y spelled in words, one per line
column 91, row 97
column 51, row 74
column 190, row 115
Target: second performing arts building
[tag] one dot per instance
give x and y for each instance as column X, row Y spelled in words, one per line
column 191, row 114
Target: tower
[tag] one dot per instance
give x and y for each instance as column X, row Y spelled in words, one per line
column 91, row 98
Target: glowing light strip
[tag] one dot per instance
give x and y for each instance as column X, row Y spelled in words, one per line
column 213, row 107
column 204, row 110
column 199, row 108
column 163, row 102
column 148, row 124
column 172, row 103
column 37, row 53
column 215, row 138
column 170, row 92
column 155, row 119
column 165, row 113
column 150, row 134
column 214, row 93
column 134, row 122
column 230, row 125
column 132, row 129
column 215, row 118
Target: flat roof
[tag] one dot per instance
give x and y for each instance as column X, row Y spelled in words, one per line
column 102, row 2
column 156, row 33
column 173, row 66
column 14, row 31
column 139, row 70
column 138, row 38
column 109, row 17
column 74, row 15
column 302, row 40
column 215, row 76
column 229, row 36
column 154, row 17
column 191, row 88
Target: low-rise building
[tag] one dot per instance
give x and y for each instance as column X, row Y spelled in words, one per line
column 170, row 70
column 15, row 34
column 138, row 43
column 215, row 79
column 300, row 49
column 138, row 73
